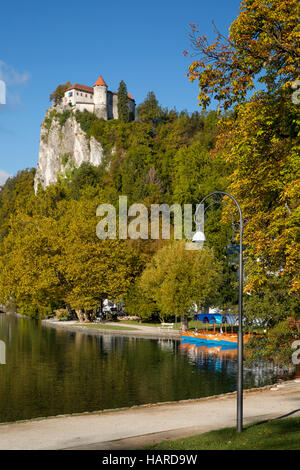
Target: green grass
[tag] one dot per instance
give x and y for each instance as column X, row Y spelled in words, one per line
column 137, row 322
column 100, row 326
column 192, row 325
column 280, row 434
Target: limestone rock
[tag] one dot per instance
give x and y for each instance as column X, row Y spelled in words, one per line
column 63, row 148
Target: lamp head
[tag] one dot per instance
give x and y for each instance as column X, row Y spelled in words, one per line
column 199, row 237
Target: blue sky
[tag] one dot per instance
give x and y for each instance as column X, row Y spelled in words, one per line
column 140, row 42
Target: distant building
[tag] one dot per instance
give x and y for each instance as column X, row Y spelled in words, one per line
column 97, row 99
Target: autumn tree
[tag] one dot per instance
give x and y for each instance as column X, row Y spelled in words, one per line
column 262, row 143
column 29, row 266
column 263, row 45
column 59, row 92
column 94, row 269
column 259, row 140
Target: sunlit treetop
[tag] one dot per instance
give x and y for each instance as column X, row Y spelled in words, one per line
column 263, row 44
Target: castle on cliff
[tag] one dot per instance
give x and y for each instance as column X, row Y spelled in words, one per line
column 97, row 99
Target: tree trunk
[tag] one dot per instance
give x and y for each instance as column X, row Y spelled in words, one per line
column 80, row 315
column 183, row 323
column 71, row 312
column 93, row 314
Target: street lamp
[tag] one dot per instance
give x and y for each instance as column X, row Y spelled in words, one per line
column 199, row 237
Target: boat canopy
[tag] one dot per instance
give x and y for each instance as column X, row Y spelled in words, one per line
column 216, row 318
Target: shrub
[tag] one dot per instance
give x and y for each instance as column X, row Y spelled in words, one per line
column 62, row 314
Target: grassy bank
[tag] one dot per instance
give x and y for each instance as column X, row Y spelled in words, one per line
column 280, row 434
column 193, row 324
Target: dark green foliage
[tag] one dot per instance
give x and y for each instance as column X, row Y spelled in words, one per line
column 64, row 116
column 86, row 175
column 61, row 117
column 85, row 120
column 149, row 110
column 123, row 101
column 275, row 346
column 65, row 158
column 49, row 118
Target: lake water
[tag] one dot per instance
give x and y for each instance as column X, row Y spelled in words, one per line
column 50, row 371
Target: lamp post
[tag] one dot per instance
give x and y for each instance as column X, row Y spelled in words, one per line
column 199, row 237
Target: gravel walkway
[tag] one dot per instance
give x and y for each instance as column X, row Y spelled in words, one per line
column 144, row 425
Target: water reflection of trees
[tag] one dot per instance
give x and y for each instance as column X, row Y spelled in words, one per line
column 50, row 371
column 223, row 360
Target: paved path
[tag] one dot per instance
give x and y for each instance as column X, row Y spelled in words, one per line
column 140, row 426
column 139, row 331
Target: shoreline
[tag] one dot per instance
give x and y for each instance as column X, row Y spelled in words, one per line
column 135, row 426
column 144, row 332
column 149, row 405
column 143, row 425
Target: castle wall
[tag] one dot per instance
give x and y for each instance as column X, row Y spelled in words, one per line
column 70, row 97
column 83, row 97
column 110, row 105
column 102, row 102
column 132, row 108
column 78, row 98
column 115, row 106
column 85, row 106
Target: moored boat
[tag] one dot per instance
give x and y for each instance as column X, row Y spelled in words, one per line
column 212, row 338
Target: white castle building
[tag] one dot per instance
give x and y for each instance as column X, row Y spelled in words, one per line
column 97, row 99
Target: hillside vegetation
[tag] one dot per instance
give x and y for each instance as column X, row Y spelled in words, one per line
column 50, row 256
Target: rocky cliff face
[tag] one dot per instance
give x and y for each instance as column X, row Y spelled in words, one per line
column 63, row 147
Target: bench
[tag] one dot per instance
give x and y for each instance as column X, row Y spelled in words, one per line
column 166, row 326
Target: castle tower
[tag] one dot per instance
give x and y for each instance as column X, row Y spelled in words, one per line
column 100, row 98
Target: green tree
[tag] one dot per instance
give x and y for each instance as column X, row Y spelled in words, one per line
column 177, row 278
column 276, row 345
column 149, row 110
column 123, row 102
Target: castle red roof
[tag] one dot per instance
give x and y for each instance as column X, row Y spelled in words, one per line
column 100, row 81
column 88, row 89
column 128, row 94
column 77, row 86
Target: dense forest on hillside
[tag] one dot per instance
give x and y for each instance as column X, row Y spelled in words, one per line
column 49, row 246
column 50, row 257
